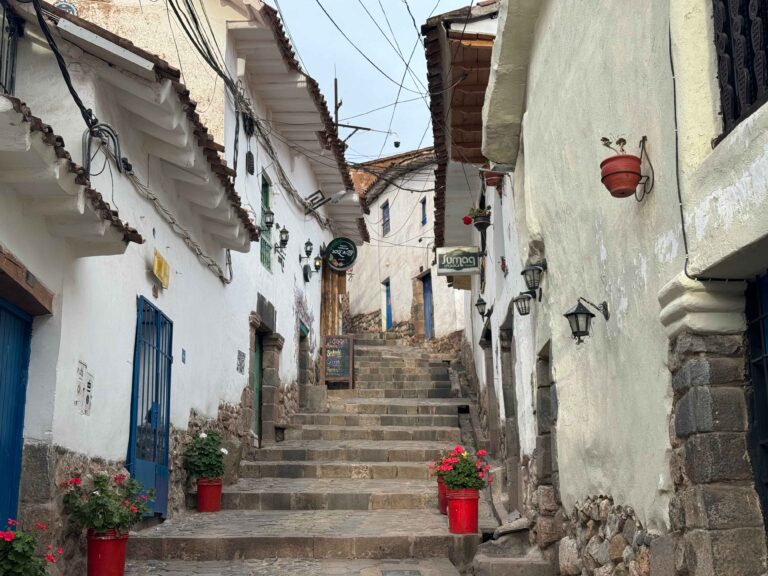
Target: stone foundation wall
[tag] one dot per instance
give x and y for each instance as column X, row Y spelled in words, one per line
column 363, row 323
column 288, row 403
column 604, row 540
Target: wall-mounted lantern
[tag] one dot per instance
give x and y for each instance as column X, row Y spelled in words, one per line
column 532, row 275
column 318, row 263
column 284, row 236
column 580, row 318
column 269, row 218
column 482, row 308
column 308, row 247
column 523, row 303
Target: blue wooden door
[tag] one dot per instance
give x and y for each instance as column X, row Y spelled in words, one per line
column 429, row 318
column 388, row 289
column 150, row 406
column 15, row 331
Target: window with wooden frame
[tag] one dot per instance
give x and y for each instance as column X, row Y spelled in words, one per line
column 385, row 218
column 266, row 233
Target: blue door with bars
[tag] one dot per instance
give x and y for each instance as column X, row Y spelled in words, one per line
column 150, row 405
column 15, row 333
column 757, row 335
column 429, row 317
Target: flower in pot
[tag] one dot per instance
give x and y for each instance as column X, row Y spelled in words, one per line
column 204, row 461
column 466, row 475
column 621, row 172
column 438, row 469
column 19, row 551
column 108, row 507
column 481, row 217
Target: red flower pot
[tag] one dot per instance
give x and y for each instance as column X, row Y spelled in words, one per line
column 621, row 174
column 208, row 494
column 493, row 178
column 106, row 553
column 462, row 511
column 442, row 496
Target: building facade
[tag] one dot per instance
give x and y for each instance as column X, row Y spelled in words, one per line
column 638, row 450
column 120, row 340
column 395, row 286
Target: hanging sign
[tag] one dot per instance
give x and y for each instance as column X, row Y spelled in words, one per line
column 340, row 359
column 341, row 254
column 458, row 261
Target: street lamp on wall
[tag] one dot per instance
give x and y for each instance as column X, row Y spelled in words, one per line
column 269, row 218
column 580, row 318
column 482, row 308
column 308, row 246
column 284, row 236
column 532, row 275
column 523, row 303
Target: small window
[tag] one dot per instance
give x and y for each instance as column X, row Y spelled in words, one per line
column 266, row 234
column 423, row 211
column 385, row 218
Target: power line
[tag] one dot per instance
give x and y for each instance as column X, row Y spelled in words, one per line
column 359, row 51
column 290, row 36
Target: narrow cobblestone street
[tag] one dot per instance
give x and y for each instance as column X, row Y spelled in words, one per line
column 347, row 493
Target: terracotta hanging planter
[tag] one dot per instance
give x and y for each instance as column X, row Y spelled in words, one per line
column 492, row 178
column 621, row 173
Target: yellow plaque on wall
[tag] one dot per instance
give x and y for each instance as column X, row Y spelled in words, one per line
column 161, row 269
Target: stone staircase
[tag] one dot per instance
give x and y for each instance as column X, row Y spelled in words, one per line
column 346, row 493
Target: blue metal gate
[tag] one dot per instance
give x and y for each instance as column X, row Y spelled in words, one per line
column 15, row 331
column 757, row 321
column 388, row 296
column 429, row 317
column 150, row 406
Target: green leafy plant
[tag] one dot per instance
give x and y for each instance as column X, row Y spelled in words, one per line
column 204, row 456
column 479, row 212
column 462, row 470
column 106, row 502
column 19, row 552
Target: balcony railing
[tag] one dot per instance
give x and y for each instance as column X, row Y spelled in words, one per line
column 10, row 30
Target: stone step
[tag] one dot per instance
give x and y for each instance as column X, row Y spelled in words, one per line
column 320, row 534
column 293, row 567
column 397, row 385
column 327, row 494
column 334, row 469
column 401, row 376
column 532, row 565
column 392, row 393
column 342, row 419
column 449, row 406
column 352, row 450
column 385, row 433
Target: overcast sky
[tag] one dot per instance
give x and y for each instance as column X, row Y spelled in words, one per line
column 323, row 49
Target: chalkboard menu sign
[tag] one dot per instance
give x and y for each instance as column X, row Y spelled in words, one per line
column 340, row 359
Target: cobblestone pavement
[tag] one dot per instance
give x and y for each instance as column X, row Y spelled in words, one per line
column 350, row 503
column 295, row 567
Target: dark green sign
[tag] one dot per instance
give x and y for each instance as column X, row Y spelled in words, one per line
column 341, row 254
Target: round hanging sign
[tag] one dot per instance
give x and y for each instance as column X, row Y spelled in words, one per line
column 341, row 254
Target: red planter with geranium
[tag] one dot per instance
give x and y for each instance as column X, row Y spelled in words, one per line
column 19, row 551
column 465, row 474
column 107, row 506
column 204, row 460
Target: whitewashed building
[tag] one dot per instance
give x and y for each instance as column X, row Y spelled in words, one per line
column 646, row 438
column 116, row 337
column 394, row 286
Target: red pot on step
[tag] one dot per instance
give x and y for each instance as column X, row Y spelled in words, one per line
column 106, row 553
column 442, row 496
column 621, row 174
column 462, row 511
column 209, row 494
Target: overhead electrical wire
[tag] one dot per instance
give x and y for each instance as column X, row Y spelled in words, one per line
column 290, row 36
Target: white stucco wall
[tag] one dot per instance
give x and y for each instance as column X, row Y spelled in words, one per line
column 401, row 255
column 614, row 390
column 94, row 320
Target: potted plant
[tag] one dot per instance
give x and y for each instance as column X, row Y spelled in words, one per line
column 438, row 469
column 466, row 475
column 492, row 178
column 107, row 506
column 19, row 552
column 481, row 217
column 621, row 172
column 204, row 460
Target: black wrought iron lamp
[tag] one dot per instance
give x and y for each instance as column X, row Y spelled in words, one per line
column 580, row 318
column 284, row 236
column 532, row 275
column 269, row 218
column 482, row 308
column 523, row 303
column 317, row 262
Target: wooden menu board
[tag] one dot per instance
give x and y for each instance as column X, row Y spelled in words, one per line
column 340, row 359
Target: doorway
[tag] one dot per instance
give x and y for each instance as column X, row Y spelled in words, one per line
column 150, row 406
column 256, row 384
column 303, row 355
column 388, row 304
column 15, row 334
column 429, row 316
